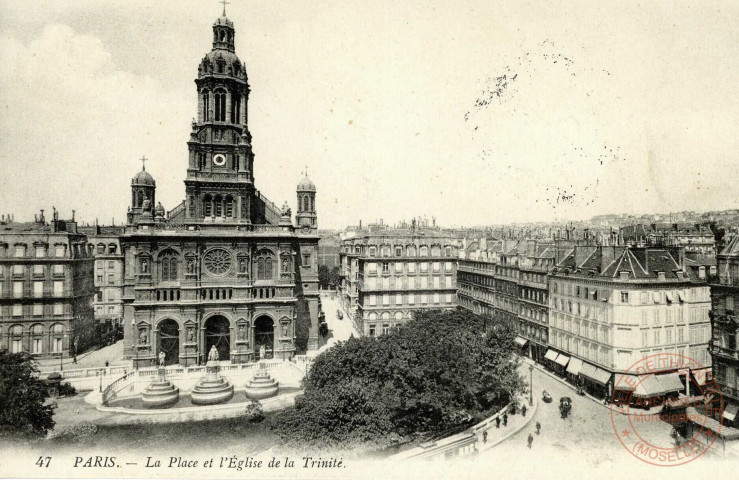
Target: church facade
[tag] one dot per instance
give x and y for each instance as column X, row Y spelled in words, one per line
column 226, row 267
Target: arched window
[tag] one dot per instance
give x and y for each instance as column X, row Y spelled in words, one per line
column 312, row 204
column 140, row 199
column 206, row 105
column 16, row 339
column 260, row 268
column 220, row 106
column 207, row 206
column 235, row 108
column 265, row 266
column 229, row 206
column 168, row 265
column 57, row 334
column 218, row 206
column 411, row 251
column 424, row 251
column 112, row 248
column 101, row 248
column 37, row 339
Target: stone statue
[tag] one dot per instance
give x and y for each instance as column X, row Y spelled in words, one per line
column 284, row 329
column 190, row 335
column 284, row 264
column 142, row 337
column 242, row 266
column 213, row 354
column 242, row 332
column 144, row 266
column 146, row 206
column 162, row 356
column 262, row 352
column 286, row 212
column 190, row 266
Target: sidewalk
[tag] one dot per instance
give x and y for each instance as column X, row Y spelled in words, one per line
column 516, row 423
column 608, row 406
column 113, row 354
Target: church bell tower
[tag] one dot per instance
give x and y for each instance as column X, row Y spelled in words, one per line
column 219, row 187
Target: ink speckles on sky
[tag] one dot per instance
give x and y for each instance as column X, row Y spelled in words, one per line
column 544, row 117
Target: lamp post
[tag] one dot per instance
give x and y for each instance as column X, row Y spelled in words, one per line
column 531, row 385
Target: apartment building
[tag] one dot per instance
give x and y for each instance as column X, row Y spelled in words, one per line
column 387, row 275
column 613, row 306
column 46, row 288
column 725, row 329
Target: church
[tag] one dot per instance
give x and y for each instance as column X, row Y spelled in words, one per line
column 226, row 267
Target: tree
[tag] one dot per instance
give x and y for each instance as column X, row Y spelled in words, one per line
column 328, row 276
column 423, row 377
column 23, row 398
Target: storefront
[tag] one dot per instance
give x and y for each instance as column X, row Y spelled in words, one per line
column 561, row 364
column 730, row 413
column 573, row 371
column 595, row 379
column 549, row 359
column 521, row 344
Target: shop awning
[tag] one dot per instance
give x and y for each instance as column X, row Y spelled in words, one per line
column 562, row 359
column 670, row 382
column 701, row 375
column 551, row 355
column 598, row 375
column 574, row 367
column 626, row 383
column 730, row 411
column 587, row 370
column 520, row 341
column 648, row 386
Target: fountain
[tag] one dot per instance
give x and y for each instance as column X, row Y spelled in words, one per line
column 160, row 393
column 212, row 388
column 262, row 385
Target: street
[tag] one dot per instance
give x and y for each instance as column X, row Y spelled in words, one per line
column 339, row 330
column 587, row 435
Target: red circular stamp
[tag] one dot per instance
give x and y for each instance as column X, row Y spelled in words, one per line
column 662, row 410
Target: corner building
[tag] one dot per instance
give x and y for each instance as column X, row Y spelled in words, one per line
column 226, row 267
column 46, row 288
column 386, row 276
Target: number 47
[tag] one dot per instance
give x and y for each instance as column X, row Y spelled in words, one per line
column 43, row 462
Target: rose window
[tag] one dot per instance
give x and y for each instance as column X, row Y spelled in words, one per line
column 217, row 261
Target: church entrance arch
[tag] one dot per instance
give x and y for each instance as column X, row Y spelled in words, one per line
column 169, row 341
column 264, row 335
column 218, row 333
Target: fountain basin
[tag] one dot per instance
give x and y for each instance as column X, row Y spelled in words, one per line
column 160, row 393
column 261, row 386
column 212, row 388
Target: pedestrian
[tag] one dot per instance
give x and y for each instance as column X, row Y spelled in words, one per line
column 497, row 422
column 505, row 419
column 485, row 436
column 531, row 440
column 523, row 410
column 538, row 428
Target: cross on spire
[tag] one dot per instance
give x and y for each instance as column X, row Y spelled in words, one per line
column 224, row 2
column 143, row 162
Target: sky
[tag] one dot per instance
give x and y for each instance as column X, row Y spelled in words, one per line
column 470, row 112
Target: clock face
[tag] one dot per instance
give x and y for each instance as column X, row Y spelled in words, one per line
column 219, row 160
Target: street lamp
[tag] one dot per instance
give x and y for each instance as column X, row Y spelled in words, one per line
column 531, row 385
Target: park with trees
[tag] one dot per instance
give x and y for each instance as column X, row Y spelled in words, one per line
column 440, row 370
